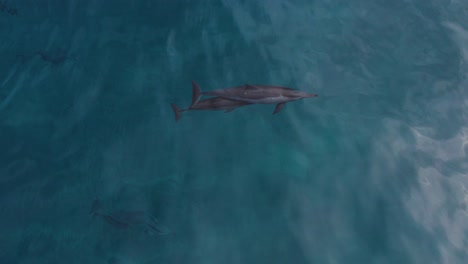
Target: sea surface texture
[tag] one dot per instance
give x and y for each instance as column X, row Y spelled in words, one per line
column 95, row 169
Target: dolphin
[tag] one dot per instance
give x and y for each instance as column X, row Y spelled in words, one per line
column 124, row 219
column 214, row 103
column 261, row 94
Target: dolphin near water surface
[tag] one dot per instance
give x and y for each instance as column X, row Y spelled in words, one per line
column 261, row 94
column 214, row 103
column 125, row 219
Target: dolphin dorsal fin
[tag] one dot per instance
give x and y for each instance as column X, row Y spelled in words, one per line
column 251, row 87
column 196, row 93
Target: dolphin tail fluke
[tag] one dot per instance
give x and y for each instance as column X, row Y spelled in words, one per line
column 196, row 93
column 177, row 111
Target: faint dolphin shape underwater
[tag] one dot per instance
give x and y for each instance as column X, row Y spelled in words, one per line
column 215, row 103
column 126, row 219
column 261, row 94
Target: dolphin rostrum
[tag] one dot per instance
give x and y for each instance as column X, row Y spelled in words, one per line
column 261, row 94
column 214, row 103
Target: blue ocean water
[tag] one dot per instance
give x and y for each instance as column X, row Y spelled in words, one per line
column 374, row 170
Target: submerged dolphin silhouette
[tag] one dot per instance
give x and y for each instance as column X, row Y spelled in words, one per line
column 215, row 103
column 123, row 219
column 261, row 94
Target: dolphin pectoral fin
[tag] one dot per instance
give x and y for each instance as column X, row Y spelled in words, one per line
column 278, row 107
column 251, row 87
column 196, row 93
column 229, row 110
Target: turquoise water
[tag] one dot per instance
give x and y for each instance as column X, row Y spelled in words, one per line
column 374, row 170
